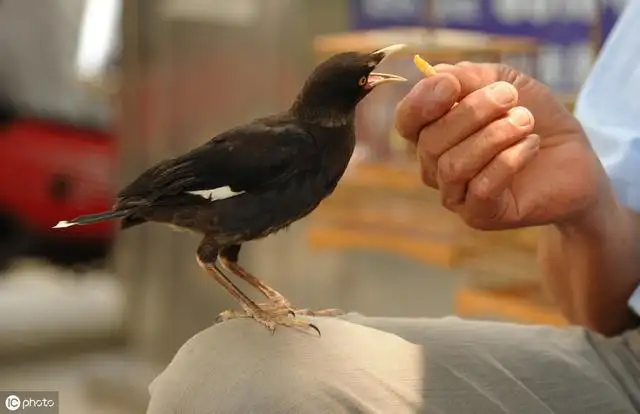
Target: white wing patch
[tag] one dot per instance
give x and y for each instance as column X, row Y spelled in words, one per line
column 215, row 194
column 63, row 224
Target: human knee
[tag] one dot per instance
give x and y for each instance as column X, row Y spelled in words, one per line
column 238, row 366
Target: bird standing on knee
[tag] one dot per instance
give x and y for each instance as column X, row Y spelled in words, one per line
column 258, row 178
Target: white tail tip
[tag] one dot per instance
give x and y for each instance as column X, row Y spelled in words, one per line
column 63, row 224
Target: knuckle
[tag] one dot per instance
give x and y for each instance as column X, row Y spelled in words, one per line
column 476, row 109
column 506, row 72
column 478, row 223
column 427, row 151
column 403, row 119
column 480, row 189
column 427, row 178
column 470, row 108
column 448, row 169
column 403, row 131
column 449, row 203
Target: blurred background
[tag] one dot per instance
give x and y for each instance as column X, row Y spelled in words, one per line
column 94, row 91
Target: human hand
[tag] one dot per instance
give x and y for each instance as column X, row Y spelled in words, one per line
column 495, row 167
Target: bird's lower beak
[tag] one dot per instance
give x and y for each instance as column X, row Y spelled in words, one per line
column 380, row 56
column 374, row 79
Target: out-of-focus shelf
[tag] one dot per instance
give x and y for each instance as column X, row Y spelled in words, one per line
column 333, row 227
column 499, row 266
column 386, row 175
column 517, row 304
column 438, row 44
column 522, row 240
column 386, row 208
column 425, row 249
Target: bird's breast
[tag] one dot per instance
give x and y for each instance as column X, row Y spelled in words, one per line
column 336, row 148
column 256, row 214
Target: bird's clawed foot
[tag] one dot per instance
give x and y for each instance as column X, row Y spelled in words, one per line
column 273, row 315
column 277, row 301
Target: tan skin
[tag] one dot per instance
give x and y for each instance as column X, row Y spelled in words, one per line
column 505, row 153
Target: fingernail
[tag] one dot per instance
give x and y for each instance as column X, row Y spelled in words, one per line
column 444, row 88
column 502, row 93
column 520, row 117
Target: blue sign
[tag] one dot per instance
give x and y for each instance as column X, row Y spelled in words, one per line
column 564, row 28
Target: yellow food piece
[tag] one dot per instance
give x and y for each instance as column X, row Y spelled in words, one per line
column 423, row 66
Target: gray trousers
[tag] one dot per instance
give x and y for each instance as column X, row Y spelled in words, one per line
column 401, row 366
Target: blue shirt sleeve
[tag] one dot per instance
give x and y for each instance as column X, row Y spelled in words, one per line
column 609, row 106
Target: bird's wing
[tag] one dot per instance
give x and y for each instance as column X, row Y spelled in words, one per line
column 250, row 158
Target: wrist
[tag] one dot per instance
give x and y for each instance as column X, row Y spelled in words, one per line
column 599, row 252
column 604, row 216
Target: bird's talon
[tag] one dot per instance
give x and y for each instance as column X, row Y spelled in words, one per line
column 314, row 327
column 271, row 316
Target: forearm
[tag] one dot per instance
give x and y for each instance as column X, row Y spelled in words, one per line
column 592, row 266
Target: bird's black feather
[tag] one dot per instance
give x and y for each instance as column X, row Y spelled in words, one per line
column 250, row 158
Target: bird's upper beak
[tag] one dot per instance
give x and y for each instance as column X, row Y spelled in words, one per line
column 379, row 56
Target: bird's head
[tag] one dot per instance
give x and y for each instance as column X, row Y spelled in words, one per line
column 335, row 86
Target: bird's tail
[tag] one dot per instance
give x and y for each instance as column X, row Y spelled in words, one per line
column 92, row 218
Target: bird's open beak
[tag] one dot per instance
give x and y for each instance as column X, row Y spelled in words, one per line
column 380, row 55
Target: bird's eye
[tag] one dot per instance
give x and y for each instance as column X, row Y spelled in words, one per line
column 362, row 81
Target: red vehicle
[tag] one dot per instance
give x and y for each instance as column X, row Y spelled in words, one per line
column 50, row 171
column 53, row 164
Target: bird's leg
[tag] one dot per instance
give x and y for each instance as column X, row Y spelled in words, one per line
column 267, row 316
column 228, row 257
column 247, row 304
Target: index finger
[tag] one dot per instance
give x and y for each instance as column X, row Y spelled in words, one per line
column 427, row 101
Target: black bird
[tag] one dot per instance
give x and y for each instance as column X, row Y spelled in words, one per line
column 258, row 178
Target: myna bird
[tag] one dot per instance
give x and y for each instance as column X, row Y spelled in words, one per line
column 258, row 178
